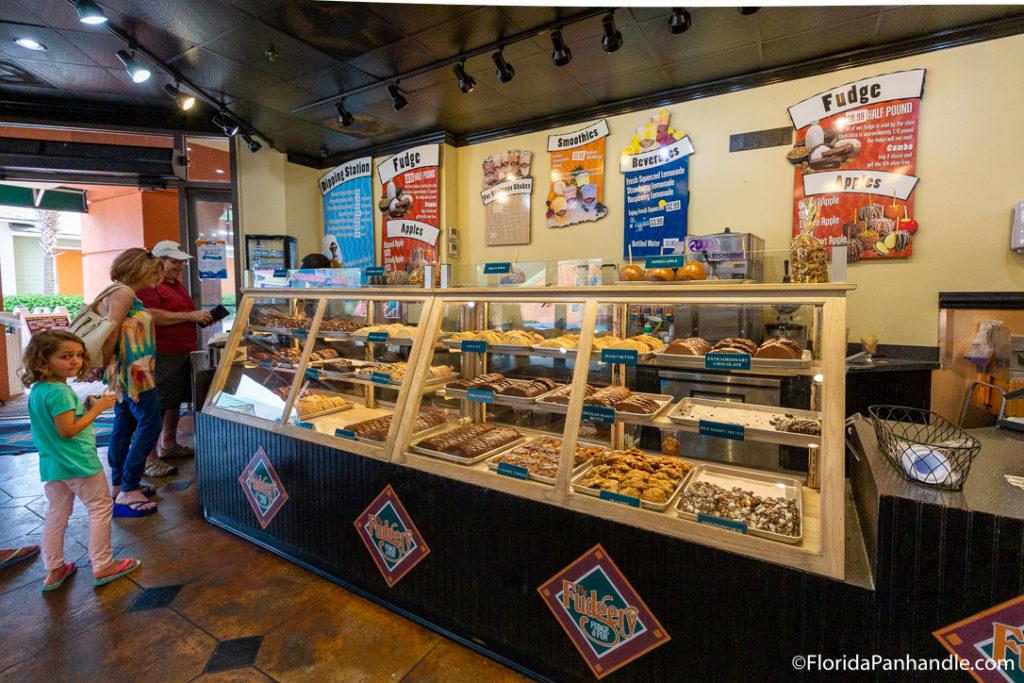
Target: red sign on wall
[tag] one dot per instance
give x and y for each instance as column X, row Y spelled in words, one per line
column 410, row 194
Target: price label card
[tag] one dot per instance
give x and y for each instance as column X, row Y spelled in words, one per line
column 312, row 373
column 268, row 364
column 722, row 430
column 727, row 524
column 474, row 346
column 480, row 395
column 665, row 261
column 377, row 337
column 631, row 501
column 300, row 334
column 513, row 471
column 495, row 268
column 280, row 272
column 304, row 425
column 380, row 378
column 345, row 433
column 375, row 271
column 601, row 414
column 624, row 356
column 727, row 361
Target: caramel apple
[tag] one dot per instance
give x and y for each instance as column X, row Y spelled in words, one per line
column 631, row 272
column 661, row 274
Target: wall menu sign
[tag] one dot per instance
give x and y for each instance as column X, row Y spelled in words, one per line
column 505, row 192
column 348, row 212
column 855, row 157
column 394, row 542
column 601, row 613
column 577, row 176
column 263, row 487
column 409, row 205
column 657, row 169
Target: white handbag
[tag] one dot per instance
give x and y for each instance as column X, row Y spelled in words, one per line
column 93, row 328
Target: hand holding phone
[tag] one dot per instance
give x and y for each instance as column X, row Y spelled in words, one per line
column 218, row 314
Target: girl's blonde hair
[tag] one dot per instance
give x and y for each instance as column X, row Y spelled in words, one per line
column 34, row 365
column 135, row 265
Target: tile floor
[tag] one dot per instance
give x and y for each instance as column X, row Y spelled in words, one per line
column 194, row 612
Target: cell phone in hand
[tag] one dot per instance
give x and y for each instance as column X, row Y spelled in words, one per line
column 218, row 314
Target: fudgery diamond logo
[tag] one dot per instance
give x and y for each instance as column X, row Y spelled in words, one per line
column 393, row 540
column 262, row 487
column 604, row 617
column 990, row 644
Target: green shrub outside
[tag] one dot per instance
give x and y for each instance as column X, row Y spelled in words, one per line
column 32, row 301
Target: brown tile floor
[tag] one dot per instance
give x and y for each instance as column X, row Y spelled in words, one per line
column 203, row 616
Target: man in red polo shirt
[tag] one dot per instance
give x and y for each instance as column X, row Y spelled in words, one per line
column 174, row 319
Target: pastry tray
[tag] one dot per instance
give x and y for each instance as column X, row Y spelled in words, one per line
column 495, row 348
column 664, row 401
column 681, row 361
column 396, row 341
column 492, row 461
column 762, row 484
column 305, row 416
column 645, row 504
column 502, row 399
column 438, row 382
column 670, row 283
column 420, row 434
column 274, row 330
column 464, row 461
column 595, row 354
column 680, row 416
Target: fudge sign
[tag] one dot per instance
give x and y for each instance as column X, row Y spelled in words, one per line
column 410, row 195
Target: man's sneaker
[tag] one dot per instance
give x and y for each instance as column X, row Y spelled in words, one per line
column 158, row 468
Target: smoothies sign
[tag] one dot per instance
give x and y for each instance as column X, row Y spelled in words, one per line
column 394, row 542
column 577, row 176
column 656, row 165
column 409, row 206
column 855, row 159
column 348, row 213
column 505, row 192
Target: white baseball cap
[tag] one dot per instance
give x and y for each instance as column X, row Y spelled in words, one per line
column 169, row 249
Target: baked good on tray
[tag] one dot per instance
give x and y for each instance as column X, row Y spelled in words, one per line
column 777, row 347
column 542, row 455
column 486, row 442
column 796, row 425
column 775, row 515
column 735, row 345
column 445, row 440
column 634, row 473
column 475, row 382
column 563, row 394
column 694, row 346
column 638, row 404
column 608, row 396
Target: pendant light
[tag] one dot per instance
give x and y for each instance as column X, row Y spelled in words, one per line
column 505, row 70
column 254, row 145
column 226, row 124
column 747, row 11
column 345, row 117
column 466, row 82
column 398, row 101
column 612, row 39
column 560, row 54
column 680, row 21
column 89, row 12
column 185, row 102
column 136, row 70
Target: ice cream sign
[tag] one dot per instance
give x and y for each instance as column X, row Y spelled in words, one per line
column 394, row 543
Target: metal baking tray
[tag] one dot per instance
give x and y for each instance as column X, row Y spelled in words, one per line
column 664, row 401
column 273, row 330
column 501, row 399
column 647, row 505
column 680, row 415
column 396, row 341
column 333, row 336
column 595, row 354
column 681, row 361
column 662, row 283
column 464, row 461
column 306, row 416
column 551, row 407
column 417, row 435
column 439, row 382
column 762, row 484
column 493, row 464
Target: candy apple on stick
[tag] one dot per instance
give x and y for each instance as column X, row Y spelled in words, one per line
column 906, row 223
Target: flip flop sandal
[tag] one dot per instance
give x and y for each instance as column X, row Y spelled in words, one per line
column 132, row 509
column 147, row 491
column 15, row 558
column 69, row 569
column 126, row 567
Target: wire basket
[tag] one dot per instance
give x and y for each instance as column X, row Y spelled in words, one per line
column 923, row 446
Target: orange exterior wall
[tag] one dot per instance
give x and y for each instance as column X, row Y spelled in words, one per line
column 69, row 273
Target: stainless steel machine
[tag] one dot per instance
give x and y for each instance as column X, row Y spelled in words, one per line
column 729, row 255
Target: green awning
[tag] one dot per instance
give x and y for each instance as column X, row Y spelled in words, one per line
column 57, row 199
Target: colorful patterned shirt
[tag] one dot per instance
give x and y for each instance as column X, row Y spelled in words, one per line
column 131, row 367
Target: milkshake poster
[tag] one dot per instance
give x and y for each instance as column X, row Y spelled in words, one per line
column 348, row 213
column 855, row 157
column 577, row 176
column 657, row 173
column 505, row 192
column 409, row 206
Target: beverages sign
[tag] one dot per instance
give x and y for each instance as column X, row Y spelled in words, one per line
column 263, row 487
column 394, row 542
column 601, row 613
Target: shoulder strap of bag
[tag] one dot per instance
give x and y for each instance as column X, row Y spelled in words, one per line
column 107, row 291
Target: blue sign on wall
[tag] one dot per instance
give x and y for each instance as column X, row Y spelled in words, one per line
column 657, row 184
column 348, row 212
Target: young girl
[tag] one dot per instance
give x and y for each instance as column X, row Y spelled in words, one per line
column 63, row 432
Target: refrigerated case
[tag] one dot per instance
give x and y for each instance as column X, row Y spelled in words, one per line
column 271, row 252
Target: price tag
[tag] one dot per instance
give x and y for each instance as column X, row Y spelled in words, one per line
column 631, row 501
column 665, row 261
column 722, row 430
column 300, row 334
column 375, row 271
column 601, row 414
column 480, row 395
column 268, row 364
column 280, row 272
column 513, row 471
column 727, row 361
column 304, row 425
column 473, row 346
column 312, row 373
column 345, row 433
column 624, row 356
column 494, row 268
column 377, row 337
column 380, row 378
column 727, row 524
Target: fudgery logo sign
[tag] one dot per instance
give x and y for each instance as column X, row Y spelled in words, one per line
column 393, row 540
column 604, row 617
column 990, row 645
column 262, row 487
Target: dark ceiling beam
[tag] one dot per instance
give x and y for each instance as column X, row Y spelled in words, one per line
column 16, row 108
column 40, row 156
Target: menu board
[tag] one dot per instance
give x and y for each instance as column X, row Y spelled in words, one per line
column 348, row 214
column 577, row 176
column 409, row 206
column 505, row 192
column 855, row 157
column 657, row 178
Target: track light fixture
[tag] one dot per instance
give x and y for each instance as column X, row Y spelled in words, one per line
column 466, row 82
column 254, row 145
column 89, row 12
column 398, row 100
column 612, row 39
column 561, row 54
column 185, row 102
column 224, row 121
column 747, row 11
column 680, row 21
column 345, row 117
column 505, row 70
column 136, row 70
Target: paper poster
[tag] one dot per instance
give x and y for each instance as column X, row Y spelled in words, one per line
column 855, row 157
column 348, row 213
column 577, row 176
column 212, row 259
column 37, row 322
column 409, row 206
column 505, row 192
column 657, row 169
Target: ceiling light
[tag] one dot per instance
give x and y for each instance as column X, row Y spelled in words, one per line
column 89, row 12
column 185, row 102
column 612, row 40
column 505, row 70
column 30, row 44
column 466, row 82
column 253, row 144
column 345, row 118
column 137, row 71
column 226, row 124
column 561, row 54
column 680, row 21
column 398, row 101
column 747, row 11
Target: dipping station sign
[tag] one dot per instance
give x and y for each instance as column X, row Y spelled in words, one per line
column 394, row 542
column 348, row 211
column 409, row 202
column 604, row 617
column 262, row 487
column 855, row 157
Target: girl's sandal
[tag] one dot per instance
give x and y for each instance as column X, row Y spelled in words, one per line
column 69, row 569
column 125, row 567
